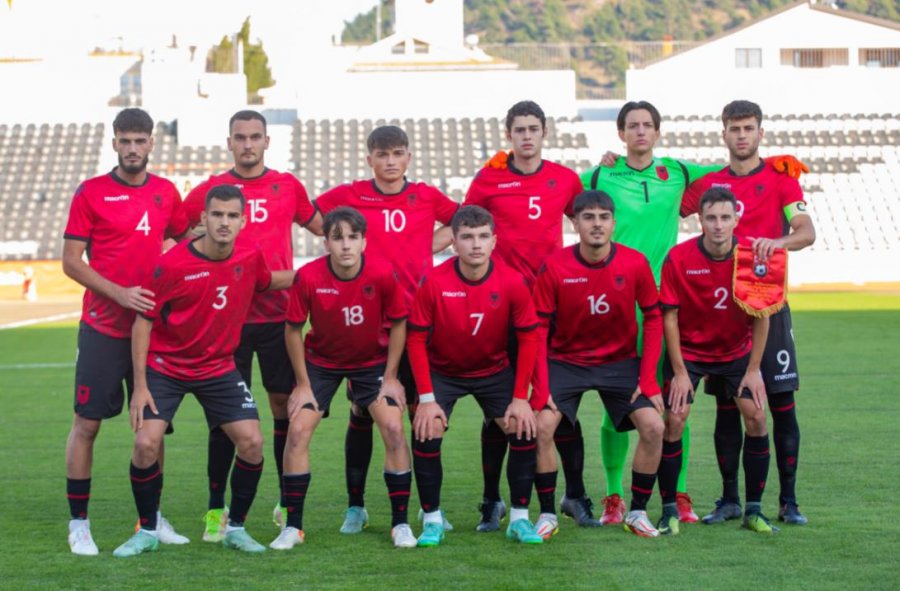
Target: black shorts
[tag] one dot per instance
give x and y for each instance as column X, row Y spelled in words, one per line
column 224, row 398
column 493, row 393
column 779, row 362
column 267, row 341
column 363, row 384
column 615, row 382
column 730, row 373
column 102, row 374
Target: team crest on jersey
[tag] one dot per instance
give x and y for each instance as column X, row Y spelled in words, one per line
column 662, row 172
column 760, row 189
column 238, row 271
column 494, row 298
column 411, row 199
column 368, row 291
column 157, row 200
column 619, row 282
column 551, row 183
column 275, row 188
column 157, row 271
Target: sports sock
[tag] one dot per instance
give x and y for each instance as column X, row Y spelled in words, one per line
column 685, row 456
column 614, row 453
column 493, row 450
column 429, row 473
column 357, row 455
column 520, row 470
column 641, row 489
column 295, row 488
column 279, row 441
column 78, row 492
column 220, row 454
column 244, row 482
column 756, row 466
column 145, row 487
column 398, row 485
column 159, row 489
column 786, row 437
column 570, row 444
column 727, row 438
column 669, row 467
column 545, row 485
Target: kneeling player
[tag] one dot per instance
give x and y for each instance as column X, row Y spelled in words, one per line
column 707, row 334
column 469, row 304
column 588, row 292
column 349, row 298
column 203, row 290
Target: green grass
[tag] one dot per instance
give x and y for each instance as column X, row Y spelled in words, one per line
column 847, row 486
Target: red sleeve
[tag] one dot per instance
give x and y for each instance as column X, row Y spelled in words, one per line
column 418, row 360
column 476, row 194
column 330, row 199
column 525, row 361
column 298, row 304
column 155, row 281
column 444, row 207
column 545, row 292
column 305, row 210
column 263, row 274
column 540, row 384
column 81, row 217
column 668, row 291
column 394, row 304
column 421, row 316
column 195, row 203
column 523, row 315
column 690, row 200
column 178, row 223
column 576, row 188
column 648, row 300
column 791, row 192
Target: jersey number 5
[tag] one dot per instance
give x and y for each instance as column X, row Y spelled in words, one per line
column 534, row 209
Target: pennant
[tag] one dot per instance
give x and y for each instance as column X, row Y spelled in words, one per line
column 760, row 287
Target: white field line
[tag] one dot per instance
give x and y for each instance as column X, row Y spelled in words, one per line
column 16, row 366
column 43, row 320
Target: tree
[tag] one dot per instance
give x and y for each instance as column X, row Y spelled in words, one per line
column 256, row 62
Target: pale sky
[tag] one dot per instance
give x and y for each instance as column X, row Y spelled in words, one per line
column 43, row 28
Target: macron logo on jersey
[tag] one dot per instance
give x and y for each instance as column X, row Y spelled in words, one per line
column 722, row 185
column 199, row 275
column 698, row 272
column 327, row 291
column 367, row 198
column 509, row 185
column 453, row 294
column 116, row 198
column 575, row 280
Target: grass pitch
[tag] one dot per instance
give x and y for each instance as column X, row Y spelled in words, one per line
column 848, row 409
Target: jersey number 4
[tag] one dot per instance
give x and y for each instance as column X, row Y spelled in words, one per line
column 144, row 224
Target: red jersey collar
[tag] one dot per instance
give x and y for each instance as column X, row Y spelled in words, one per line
column 511, row 167
column 757, row 170
column 382, row 193
column 234, row 173
column 193, row 250
column 467, row 281
column 115, row 176
column 602, row 264
column 362, row 265
column 706, row 253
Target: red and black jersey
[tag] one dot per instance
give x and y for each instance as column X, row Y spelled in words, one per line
column 528, row 211
column 348, row 317
column 400, row 225
column 762, row 197
column 200, row 307
column 592, row 309
column 275, row 201
column 470, row 322
column 712, row 327
column 124, row 227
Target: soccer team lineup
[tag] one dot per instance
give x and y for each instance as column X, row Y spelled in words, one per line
column 181, row 294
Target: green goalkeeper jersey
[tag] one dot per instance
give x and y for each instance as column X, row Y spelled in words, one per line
column 647, row 202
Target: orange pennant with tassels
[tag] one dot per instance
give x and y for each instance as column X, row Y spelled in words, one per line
column 760, row 287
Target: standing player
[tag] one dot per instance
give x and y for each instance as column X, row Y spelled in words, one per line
column 588, row 294
column 707, row 334
column 120, row 220
column 772, row 214
column 275, row 201
column 469, row 305
column 528, row 197
column 400, row 216
column 348, row 298
column 186, row 343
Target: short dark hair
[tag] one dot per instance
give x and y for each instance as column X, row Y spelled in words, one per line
column 637, row 106
column 246, row 115
column 523, row 109
column 387, row 137
column 133, row 119
column 741, row 110
column 347, row 215
column 717, row 195
column 471, row 216
column 225, row 193
column 592, row 200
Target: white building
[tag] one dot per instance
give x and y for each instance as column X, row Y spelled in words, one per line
column 806, row 58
